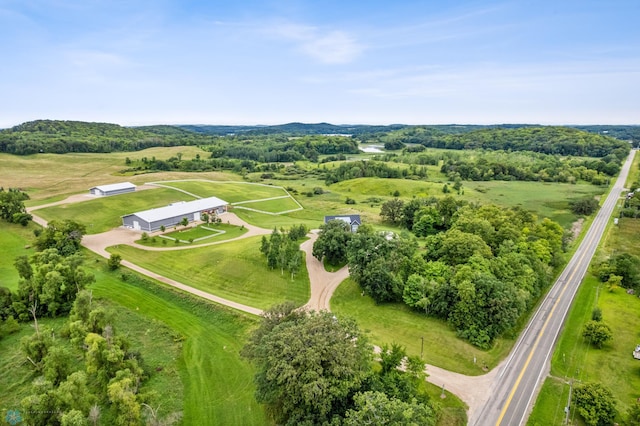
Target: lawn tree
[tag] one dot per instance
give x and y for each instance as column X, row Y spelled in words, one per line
column 308, row 365
column 64, row 236
column 114, row 261
column 391, row 211
column 332, row 242
column 597, row 332
column 12, row 207
column 595, row 404
column 376, row 408
column 282, row 249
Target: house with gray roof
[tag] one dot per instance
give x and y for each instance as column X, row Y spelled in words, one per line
column 353, row 220
column 171, row 215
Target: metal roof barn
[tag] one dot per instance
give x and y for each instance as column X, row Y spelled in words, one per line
column 173, row 214
column 112, row 189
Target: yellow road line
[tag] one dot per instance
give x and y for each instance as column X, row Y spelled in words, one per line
column 535, row 345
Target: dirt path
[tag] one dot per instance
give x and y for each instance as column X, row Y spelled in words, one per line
column 323, row 283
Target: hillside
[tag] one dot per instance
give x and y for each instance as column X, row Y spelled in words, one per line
column 56, row 136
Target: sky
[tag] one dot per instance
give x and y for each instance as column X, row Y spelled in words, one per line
column 141, row 62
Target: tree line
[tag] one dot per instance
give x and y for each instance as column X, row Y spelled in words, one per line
column 480, row 268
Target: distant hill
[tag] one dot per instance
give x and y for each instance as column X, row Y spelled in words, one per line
column 298, row 129
column 57, row 136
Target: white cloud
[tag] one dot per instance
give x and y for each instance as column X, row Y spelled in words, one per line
column 326, row 46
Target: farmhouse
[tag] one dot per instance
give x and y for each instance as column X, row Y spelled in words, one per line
column 173, row 214
column 353, row 220
column 113, row 189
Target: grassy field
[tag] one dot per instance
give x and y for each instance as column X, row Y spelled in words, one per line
column 15, row 374
column 235, row 271
column 201, row 235
column 279, row 205
column 51, row 177
column 14, row 240
column 154, row 340
column 397, row 323
column 231, row 192
column 104, row 213
column 218, row 384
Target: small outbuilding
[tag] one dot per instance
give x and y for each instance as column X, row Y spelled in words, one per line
column 171, row 215
column 112, row 189
column 353, row 220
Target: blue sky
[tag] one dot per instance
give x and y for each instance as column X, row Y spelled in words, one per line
column 345, row 62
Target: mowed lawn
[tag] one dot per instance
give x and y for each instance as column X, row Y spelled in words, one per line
column 231, row 192
column 15, row 240
column 235, row 270
column 397, row 323
column 218, row 383
column 103, row 213
column 278, row 205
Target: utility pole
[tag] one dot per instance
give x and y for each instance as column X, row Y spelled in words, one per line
column 566, row 409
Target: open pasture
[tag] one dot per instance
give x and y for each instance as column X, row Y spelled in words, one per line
column 396, row 322
column 231, row 192
column 218, row 383
column 15, row 240
column 51, row 177
column 236, row 271
column 274, row 206
column 100, row 214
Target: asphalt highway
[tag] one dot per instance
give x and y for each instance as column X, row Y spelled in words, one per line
column 513, row 392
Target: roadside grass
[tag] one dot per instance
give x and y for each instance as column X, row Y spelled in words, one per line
column 103, row 213
column 549, row 407
column 279, row 205
column 634, row 172
column 231, row 192
column 207, row 236
column 453, row 411
column 622, row 238
column 397, row 323
column 613, row 365
column 236, row 271
column 15, row 240
column 218, row 383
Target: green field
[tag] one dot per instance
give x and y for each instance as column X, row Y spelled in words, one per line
column 279, row 205
column 15, row 240
column 200, row 235
column 218, row 384
column 398, row 323
column 236, row 271
column 52, row 177
column 231, row 192
column 104, row 213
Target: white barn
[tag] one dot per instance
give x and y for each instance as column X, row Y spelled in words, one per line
column 171, row 215
column 112, row 189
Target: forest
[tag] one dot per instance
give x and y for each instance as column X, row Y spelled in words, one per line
column 480, row 267
column 307, row 141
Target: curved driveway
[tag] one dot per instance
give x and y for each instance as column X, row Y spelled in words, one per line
column 471, row 389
